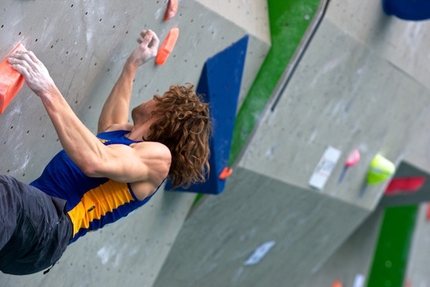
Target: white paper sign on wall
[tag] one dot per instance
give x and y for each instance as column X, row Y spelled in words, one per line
column 324, row 168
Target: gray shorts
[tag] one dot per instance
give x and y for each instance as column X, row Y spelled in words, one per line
column 35, row 230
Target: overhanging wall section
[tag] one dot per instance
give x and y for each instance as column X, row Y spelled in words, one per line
column 84, row 45
column 222, row 234
column 343, row 95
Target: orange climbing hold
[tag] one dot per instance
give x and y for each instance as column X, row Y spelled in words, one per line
column 172, row 8
column 336, row 283
column 10, row 80
column 226, row 172
column 167, row 46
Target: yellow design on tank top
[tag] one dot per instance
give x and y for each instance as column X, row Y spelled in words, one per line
column 97, row 202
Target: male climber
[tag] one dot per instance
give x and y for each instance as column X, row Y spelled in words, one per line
column 97, row 180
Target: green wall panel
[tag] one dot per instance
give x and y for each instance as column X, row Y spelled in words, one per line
column 289, row 21
column 392, row 249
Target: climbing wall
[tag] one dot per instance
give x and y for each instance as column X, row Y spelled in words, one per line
column 359, row 85
column 84, row 45
column 253, row 17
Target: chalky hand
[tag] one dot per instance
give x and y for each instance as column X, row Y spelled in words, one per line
column 35, row 73
column 146, row 50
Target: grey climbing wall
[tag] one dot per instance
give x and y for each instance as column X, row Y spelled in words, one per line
column 360, row 84
column 84, row 45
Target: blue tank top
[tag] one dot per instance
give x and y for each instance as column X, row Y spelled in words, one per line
column 91, row 202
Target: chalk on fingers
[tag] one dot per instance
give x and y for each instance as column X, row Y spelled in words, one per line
column 172, row 8
column 167, row 46
column 11, row 81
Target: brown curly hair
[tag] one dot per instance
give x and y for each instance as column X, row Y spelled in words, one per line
column 184, row 125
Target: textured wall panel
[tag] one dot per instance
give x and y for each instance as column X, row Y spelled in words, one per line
column 346, row 93
column 403, row 43
column 346, row 96
column 84, row 45
column 212, row 247
column 252, row 16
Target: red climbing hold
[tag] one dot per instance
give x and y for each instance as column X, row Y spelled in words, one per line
column 172, row 8
column 404, row 185
column 10, row 80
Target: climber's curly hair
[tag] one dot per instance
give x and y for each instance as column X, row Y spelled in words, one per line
column 183, row 124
